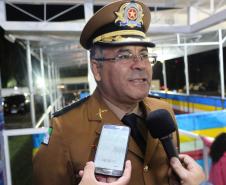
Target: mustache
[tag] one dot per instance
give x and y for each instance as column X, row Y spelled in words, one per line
column 138, row 75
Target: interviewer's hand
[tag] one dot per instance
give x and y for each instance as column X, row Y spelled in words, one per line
column 88, row 177
column 190, row 172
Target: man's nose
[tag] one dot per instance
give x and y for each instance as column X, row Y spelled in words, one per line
column 138, row 62
column 137, row 58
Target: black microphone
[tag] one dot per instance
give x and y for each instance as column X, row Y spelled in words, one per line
column 160, row 125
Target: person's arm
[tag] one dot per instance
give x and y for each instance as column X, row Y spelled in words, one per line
column 190, row 172
column 88, row 177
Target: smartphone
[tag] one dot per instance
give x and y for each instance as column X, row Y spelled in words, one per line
column 112, row 150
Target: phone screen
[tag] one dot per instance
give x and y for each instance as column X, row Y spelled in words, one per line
column 112, row 150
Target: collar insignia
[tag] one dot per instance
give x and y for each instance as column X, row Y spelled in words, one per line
column 130, row 14
column 99, row 114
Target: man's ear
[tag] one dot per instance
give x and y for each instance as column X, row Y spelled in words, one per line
column 96, row 67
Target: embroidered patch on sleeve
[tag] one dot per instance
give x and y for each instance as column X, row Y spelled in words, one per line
column 47, row 136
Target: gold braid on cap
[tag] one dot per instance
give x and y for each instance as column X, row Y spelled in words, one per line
column 117, row 35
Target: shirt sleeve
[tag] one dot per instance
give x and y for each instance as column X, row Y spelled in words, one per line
column 51, row 164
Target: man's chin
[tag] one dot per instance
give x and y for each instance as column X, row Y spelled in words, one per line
column 140, row 96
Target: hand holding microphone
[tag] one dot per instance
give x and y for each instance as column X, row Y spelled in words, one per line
column 190, row 172
column 161, row 125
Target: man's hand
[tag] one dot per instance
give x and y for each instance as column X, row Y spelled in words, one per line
column 190, row 172
column 88, row 177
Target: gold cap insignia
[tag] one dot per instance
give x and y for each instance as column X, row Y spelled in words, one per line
column 130, row 14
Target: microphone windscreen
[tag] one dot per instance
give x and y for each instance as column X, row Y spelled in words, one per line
column 160, row 123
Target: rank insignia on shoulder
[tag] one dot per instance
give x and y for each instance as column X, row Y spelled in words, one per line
column 47, row 136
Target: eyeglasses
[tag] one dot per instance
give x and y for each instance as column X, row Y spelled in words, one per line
column 128, row 57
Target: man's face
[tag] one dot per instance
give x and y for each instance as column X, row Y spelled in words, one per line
column 125, row 81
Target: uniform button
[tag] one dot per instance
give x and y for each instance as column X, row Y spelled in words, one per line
column 146, row 168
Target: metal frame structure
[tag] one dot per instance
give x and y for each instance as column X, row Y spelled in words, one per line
column 55, row 103
column 61, row 33
column 212, row 11
column 5, row 163
column 220, row 44
column 17, row 132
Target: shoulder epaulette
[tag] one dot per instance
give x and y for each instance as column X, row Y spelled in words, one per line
column 70, row 107
column 155, row 96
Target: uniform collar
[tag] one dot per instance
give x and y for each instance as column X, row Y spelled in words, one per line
column 98, row 110
column 102, row 106
column 119, row 112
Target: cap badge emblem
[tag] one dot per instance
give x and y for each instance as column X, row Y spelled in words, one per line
column 130, row 14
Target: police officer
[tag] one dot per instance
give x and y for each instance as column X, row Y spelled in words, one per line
column 121, row 63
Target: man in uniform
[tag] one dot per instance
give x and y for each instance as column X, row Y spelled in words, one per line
column 122, row 67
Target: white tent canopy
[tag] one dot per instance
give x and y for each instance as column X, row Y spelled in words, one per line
column 171, row 19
